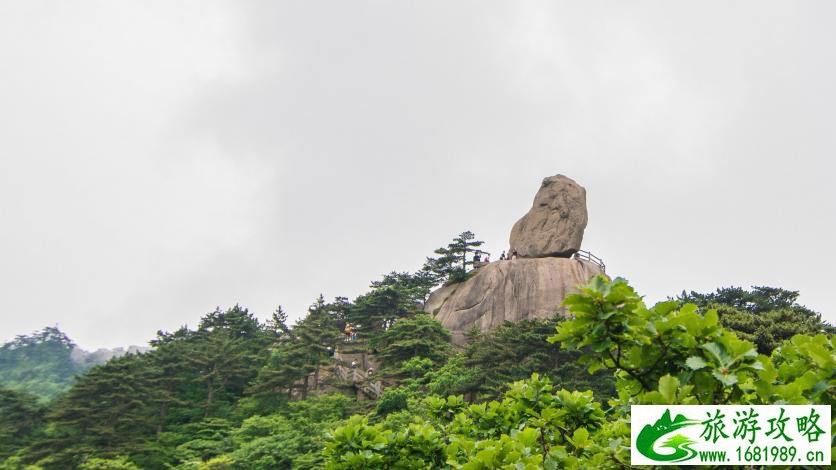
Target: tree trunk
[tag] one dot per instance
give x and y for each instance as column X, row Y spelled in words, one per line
column 210, row 392
column 161, row 417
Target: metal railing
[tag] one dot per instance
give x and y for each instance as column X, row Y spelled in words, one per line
column 584, row 255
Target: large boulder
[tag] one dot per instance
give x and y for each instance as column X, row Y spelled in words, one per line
column 554, row 226
column 509, row 290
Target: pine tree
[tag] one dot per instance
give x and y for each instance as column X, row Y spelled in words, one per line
column 40, row 363
column 513, row 351
column 226, row 352
column 107, row 412
column 278, row 323
column 766, row 316
column 416, row 286
column 285, row 369
column 309, row 344
column 168, row 365
column 237, row 321
column 223, row 363
column 416, row 336
column 21, row 416
column 451, row 264
column 376, row 311
column 319, row 335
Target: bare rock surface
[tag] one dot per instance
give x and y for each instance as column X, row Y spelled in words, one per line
column 510, row 290
column 555, row 223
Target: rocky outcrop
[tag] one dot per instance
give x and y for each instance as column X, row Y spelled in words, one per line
column 510, row 290
column 102, row 355
column 554, row 226
column 347, row 372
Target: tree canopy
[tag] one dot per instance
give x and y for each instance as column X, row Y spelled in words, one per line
column 40, row 363
column 665, row 354
column 236, row 392
column 451, row 264
column 766, row 316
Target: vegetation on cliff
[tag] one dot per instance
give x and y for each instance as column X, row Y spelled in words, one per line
column 236, row 392
column 665, row 354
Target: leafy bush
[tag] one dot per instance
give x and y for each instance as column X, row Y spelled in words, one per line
column 391, row 400
column 118, row 463
column 238, row 393
column 666, row 354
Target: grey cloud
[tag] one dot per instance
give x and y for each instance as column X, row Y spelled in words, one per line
column 263, row 153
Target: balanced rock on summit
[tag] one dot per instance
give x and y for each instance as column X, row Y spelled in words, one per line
column 555, row 223
column 533, row 284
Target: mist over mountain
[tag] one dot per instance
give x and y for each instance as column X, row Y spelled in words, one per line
column 46, row 362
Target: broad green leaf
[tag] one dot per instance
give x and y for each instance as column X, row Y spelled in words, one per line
column 667, row 387
column 696, row 363
column 580, row 438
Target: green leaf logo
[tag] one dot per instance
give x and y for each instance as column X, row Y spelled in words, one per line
column 680, row 444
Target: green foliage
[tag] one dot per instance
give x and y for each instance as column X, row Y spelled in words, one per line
column 376, row 311
column 413, row 337
column 80, row 424
column 323, row 408
column 17, row 463
column 210, row 438
column 766, row 316
column 455, row 377
column 451, row 264
column 532, row 421
column 40, row 364
column 137, row 405
column 118, row 463
column 299, row 352
column 514, row 351
column 415, row 286
column 758, row 300
column 486, row 366
column 665, row 354
column 266, row 442
column 391, row 400
column 417, row 366
column 238, row 393
column 801, row 370
column 21, row 417
column 290, row 439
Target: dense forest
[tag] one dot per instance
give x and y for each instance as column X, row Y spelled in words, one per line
column 236, row 392
column 40, row 364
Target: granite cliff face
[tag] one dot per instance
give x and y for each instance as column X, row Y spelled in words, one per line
column 534, row 285
column 510, row 290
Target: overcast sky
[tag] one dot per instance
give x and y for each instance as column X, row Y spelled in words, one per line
column 158, row 159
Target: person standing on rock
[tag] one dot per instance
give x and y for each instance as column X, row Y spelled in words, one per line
column 514, row 253
column 502, row 256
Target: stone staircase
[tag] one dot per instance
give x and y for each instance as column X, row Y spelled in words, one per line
column 359, row 378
